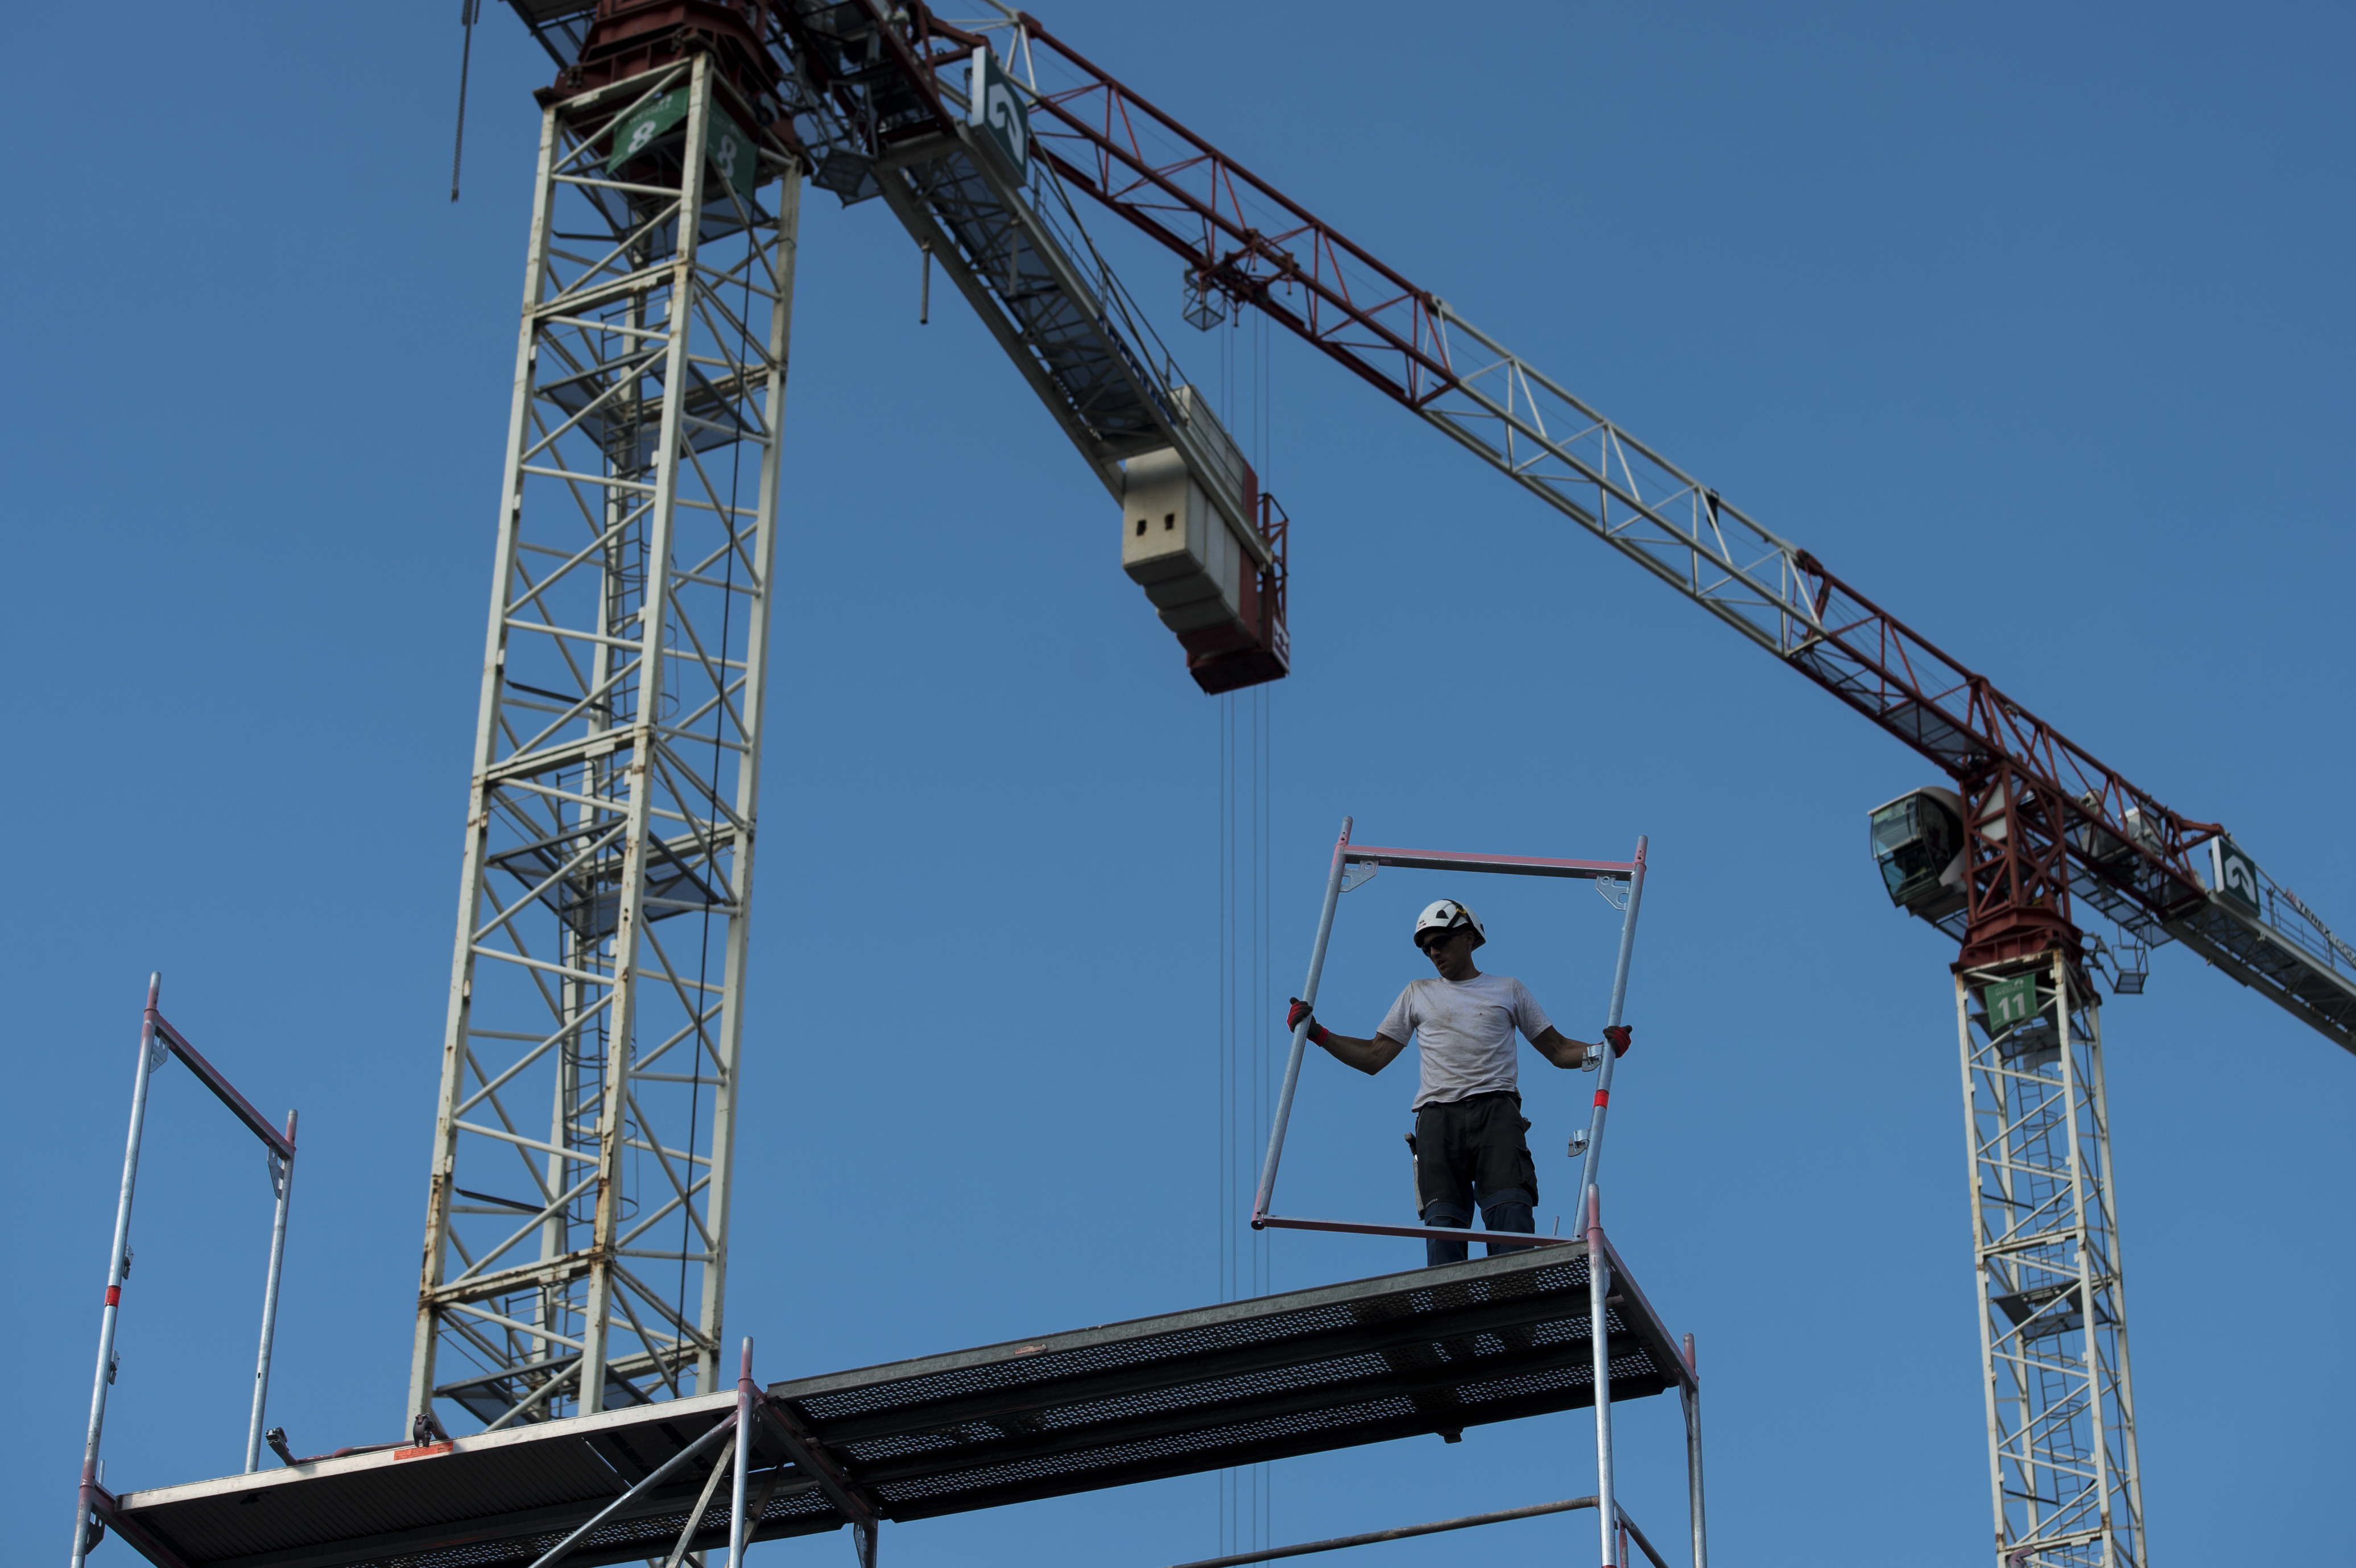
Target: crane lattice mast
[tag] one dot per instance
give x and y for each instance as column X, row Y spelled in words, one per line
column 576, row 1232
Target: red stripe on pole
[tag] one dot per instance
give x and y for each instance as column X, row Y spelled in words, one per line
column 1604, row 1096
column 115, row 1296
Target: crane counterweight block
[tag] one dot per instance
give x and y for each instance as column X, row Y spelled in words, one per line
column 1191, row 517
column 1255, row 647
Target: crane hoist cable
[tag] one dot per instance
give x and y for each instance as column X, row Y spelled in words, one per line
column 1246, row 731
column 1243, row 977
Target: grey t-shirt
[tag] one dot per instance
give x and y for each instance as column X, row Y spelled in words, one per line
column 1464, row 1032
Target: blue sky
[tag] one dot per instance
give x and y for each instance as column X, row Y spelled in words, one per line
column 2034, row 324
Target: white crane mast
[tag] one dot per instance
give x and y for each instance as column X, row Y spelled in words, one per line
column 575, row 1240
column 2064, row 1475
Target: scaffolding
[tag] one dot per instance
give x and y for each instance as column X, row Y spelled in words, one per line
column 1436, row 1527
column 1622, row 883
column 1432, row 1351
column 1553, row 1324
column 94, row 1507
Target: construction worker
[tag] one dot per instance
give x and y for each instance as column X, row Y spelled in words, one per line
column 1469, row 1148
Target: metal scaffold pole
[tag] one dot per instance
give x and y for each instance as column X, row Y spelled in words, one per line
column 1266, row 1193
column 151, row 1056
column 576, row 1229
column 1593, row 1158
column 1598, row 1296
column 2063, row 1475
column 281, row 1180
column 1697, row 1515
column 738, row 1526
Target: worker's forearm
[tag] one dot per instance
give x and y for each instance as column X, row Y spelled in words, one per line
column 1562, row 1051
column 1366, row 1055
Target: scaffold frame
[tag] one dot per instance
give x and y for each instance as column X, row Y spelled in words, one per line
column 1433, row 1350
column 1627, row 877
column 94, row 1505
column 1622, row 884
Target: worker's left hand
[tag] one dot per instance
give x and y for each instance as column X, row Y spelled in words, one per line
column 1618, row 1035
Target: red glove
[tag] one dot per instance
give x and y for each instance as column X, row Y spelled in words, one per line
column 1318, row 1033
column 1618, row 1035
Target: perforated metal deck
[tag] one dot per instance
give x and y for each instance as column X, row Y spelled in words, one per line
column 1405, row 1355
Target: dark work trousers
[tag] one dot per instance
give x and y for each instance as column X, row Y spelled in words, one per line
column 1470, row 1153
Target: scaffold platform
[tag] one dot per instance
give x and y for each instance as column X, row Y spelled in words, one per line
column 1432, row 1351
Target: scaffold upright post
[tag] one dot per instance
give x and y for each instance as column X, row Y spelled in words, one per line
column 746, row 1394
column 281, row 1177
column 1691, row 1393
column 1266, row 1193
column 1592, row 1165
column 150, row 1057
column 1599, row 1291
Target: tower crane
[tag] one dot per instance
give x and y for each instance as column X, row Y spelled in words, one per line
column 575, row 1247
column 2036, row 830
column 974, row 136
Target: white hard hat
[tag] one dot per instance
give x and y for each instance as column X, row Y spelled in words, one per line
column 1446, row 915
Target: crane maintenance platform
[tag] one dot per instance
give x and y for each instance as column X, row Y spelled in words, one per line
column 1432, row 1351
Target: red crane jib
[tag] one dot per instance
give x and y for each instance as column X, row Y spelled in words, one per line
column 2048, row 822
column 2039, row 805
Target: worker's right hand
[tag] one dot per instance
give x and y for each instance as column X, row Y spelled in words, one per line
column 1318, row 1033
column 1618, row 1034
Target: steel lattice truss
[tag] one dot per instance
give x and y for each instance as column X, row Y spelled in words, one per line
column 860, row 85
column 1009, row 264
column 2054, row 1337
column 860, row 82
column 576, row 1237
column 2128, row 856
column 883, row 110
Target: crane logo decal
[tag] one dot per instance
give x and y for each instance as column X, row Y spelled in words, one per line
column 2236, row 873
column 994, row 108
